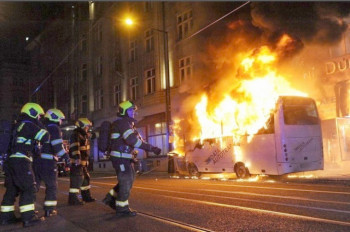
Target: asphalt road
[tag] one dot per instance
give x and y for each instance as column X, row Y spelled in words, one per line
column 171, row 204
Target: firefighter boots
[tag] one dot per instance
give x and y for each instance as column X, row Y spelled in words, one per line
column 50, row 212
column 125, row 212
column 110, row 201
column 74, row 200
column 33, row 221
column 86, row 195
column 11, row 220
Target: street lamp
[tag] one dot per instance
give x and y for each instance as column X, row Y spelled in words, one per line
column 129, row 22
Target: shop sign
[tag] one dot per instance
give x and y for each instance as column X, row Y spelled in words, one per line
column 337, row 65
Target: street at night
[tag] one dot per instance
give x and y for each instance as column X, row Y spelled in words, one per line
column 235, row 116
column 165, row 203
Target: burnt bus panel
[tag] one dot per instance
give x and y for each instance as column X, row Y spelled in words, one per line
column 259, row 154
column 214, row 155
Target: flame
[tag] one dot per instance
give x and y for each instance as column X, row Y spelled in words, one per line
column 235, row 117
column 295, row 176
column 241, row 106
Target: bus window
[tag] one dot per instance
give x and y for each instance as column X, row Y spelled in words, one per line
column 300, row 111
column 270, row 126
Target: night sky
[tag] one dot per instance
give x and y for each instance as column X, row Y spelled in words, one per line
column 21, row 19
column 312, row 22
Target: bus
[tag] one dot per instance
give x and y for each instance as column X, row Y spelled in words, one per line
column 291, row 142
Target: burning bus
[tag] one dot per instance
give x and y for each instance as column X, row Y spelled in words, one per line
column 290, row 142
column 251, row 122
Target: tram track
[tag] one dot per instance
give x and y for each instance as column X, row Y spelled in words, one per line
column 165, row 220
column 174, row 222
column 257, row 201
column 272, row 212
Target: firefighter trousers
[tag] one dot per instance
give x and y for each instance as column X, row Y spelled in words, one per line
column 19, row 181
column 76, row 178
column 79, row 180
column 126, row 176
column 46, row 170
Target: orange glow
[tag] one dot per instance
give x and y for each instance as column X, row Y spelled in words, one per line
column 231, row 117
column 260, row 84
column 129, row 21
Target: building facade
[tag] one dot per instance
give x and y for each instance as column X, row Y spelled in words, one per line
column 89, row 61
column 14, row 79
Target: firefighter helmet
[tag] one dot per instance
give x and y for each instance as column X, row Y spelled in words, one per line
column 124, row 106
column 83, row 122
column 54, row 115
column 33, row 110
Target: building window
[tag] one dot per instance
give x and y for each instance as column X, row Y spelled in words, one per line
column 14, row 81
column 98, row 99
column 157, row 136
column 20, row 81
column 132, row 51
column 149, row 40
column 347, row 42
column 99, row 32
column 133, row 88
column 117, row 62
column 66, row 82
column 184, row 24
column 17, row 81
column 83, row 76
column 84, row 104
column 99, row 66
column 83, row 45
column 150, row 77
column 17, row 100
column 147, row 6
column 185, row 68
column 117, row 95
column 75, row 101
column 76, row 75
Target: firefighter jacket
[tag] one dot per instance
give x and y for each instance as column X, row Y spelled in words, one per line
column 124, row 138
column 53, row 149
column 79, row 146
column 28, row 132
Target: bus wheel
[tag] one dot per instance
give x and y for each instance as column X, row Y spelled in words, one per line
column 241, row 171
column 193, row 170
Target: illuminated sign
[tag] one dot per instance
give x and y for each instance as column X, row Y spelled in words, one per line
column 337, row 65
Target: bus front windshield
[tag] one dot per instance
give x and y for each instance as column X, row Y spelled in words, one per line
column 300, row 111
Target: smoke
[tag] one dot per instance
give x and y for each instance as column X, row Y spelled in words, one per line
column 304, row 24
column 310, row 22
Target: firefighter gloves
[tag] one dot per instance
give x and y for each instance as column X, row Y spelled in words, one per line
column 67, row 162
column 156, row 150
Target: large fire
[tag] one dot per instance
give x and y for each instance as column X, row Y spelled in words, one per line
column 259, row 84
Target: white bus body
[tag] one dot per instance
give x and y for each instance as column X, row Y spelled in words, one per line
column 292, row 142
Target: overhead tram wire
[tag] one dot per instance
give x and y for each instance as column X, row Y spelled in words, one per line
column 234, row 10
column 66, row 57
column 77, row 44
column 62, row 61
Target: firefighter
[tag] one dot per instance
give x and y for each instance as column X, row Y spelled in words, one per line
column 45, row 167
column 20, row 178
column 124, row 138
column 79, row 152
